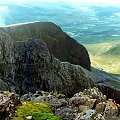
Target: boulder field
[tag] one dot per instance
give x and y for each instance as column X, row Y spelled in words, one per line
column 90, row 104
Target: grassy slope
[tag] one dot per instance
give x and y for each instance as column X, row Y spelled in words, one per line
column 105, row 56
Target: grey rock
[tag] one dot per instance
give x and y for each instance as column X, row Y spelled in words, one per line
column 6, row 62
column 40, row 99
column 66, row 113
column 86, row 115
column 56, row 103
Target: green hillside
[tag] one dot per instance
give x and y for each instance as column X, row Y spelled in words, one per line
column 105, row 56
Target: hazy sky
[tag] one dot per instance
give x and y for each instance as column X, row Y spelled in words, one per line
column 110, row 2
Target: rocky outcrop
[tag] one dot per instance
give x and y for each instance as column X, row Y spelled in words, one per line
column 90, row 104
column 37, row 69
column 59, row 43
column 27, row 66
column 8, row 103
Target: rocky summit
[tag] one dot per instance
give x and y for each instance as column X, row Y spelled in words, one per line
column 27, row 66
column 59, row 43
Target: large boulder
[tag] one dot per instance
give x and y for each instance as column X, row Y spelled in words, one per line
column 59, row 43
column 27, row 66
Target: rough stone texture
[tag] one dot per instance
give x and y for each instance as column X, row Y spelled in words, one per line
column 28, row 66
column 3, row 86
column 100, row 107
column 86, row 115
column 71, row 109
column 37, row 69
column 90, row 103
column 111, row 109
column 59, row 43
column 110, row 92
column 8, row 103
column 66, row 113
column 6, row 61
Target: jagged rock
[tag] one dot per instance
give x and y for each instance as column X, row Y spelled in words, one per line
column 78, row 100
column 94, row 94
column 111, row 109
column 37, row 69
column 59, row 43
column 57, row 103
column 8, row 104
column 28, row 67
column 91, row 103
column 66, row 113
column 86, row 115
column 100, row 107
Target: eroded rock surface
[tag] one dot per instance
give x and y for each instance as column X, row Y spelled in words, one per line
column 27, row 66
column 37, row 69
column 59, row 43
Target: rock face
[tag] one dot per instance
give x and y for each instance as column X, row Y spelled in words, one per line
column 37, row 69
column 6, row 61
column 59, row 43
column 110, row 92
column 27, row 66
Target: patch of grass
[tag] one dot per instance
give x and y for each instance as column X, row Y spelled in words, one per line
column 38, row 111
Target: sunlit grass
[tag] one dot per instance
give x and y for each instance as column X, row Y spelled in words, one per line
column 38, row 111
column 105, row 56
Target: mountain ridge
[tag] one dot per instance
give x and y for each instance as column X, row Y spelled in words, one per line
column 59, row 43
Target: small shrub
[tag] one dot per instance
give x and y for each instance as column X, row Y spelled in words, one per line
column 38, row 111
